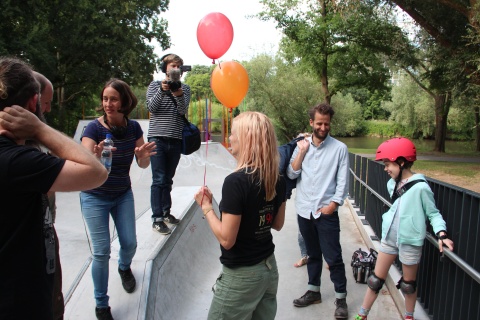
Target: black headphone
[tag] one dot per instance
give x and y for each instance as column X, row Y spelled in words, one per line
column 163, row 65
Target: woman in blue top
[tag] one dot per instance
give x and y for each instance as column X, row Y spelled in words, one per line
column 404, row 225
column 115, row 196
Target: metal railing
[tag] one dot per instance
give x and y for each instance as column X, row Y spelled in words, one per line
column 448, row 284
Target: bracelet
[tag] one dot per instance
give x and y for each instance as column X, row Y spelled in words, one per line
column 205, row 214
column 206, row 211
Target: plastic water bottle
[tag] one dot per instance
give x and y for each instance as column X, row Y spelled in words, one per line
column 106, row 158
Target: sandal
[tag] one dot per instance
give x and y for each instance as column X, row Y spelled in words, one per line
column 303, row 261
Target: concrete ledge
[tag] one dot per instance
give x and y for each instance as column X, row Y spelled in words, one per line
column 169, row 269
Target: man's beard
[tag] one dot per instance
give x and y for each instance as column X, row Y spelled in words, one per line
column 320, row 136
column 39, row 113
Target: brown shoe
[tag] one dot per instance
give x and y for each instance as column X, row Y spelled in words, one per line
column 342, row 309
column 310, row 297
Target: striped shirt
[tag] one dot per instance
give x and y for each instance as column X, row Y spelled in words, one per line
column 166, row 119
column 118, row 180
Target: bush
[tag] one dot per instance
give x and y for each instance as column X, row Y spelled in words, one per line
column 348, row 120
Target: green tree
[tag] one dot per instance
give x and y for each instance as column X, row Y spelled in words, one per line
column 283, row 95
column 199, row 81
column 80, row 44
column 412, row 108
column 343, row 43
column 454, row 25
column 348, row 120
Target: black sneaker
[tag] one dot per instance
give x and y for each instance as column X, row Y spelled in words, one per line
column 161, row 227
column 128, row 280
column 310, row 297
column 341, row 312
column 103, row 313
column 171, row 219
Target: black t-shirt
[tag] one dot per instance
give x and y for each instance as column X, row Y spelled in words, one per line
column 242, row 195
column 25, row 174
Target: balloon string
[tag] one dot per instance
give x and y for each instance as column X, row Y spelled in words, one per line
column 207, row 136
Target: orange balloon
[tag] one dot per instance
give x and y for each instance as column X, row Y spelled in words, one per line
column 229, row 83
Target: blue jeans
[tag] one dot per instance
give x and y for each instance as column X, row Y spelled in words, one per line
column 322, row 239
column 96, row 210
column 164, row 164
column 246, row 292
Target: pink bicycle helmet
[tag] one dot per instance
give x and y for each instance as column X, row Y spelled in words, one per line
column 397, row 147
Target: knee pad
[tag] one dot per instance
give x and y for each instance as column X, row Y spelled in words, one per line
column 407, row 287
column 375, row 283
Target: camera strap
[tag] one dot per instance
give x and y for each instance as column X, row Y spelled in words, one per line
column 176, row 106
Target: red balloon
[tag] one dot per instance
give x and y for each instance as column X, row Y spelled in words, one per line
column 214, row 34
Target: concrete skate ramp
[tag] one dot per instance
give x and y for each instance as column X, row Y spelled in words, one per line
column 180, row 274
column 174, row 273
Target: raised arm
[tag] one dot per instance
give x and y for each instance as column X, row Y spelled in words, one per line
column 143, row 151
column 81, row 171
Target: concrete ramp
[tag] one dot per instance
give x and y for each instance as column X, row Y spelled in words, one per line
column 181, row 267
column 175, row 273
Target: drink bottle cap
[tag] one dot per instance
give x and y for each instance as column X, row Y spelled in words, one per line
column 109, row 136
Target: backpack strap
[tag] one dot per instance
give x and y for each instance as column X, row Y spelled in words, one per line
column 399, row 192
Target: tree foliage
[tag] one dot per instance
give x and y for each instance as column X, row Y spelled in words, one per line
column 343, row 43
column 411, row 107
column 283, row 95
column 79, row 44
column 454, row 26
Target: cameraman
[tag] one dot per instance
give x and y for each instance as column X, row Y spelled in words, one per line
column 167, row 102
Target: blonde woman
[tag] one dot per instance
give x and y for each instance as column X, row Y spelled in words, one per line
column 253, row 202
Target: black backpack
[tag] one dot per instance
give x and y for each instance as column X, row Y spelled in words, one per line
column 363, row 264
column 286, row 152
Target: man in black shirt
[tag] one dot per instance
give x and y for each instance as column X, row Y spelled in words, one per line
column 26, row 173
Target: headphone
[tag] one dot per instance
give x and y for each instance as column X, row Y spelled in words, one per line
column 163, row 65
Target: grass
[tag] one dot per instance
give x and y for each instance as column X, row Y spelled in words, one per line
column 461, row 169
column 463, row 174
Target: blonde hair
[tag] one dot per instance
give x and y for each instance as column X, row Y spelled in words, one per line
column 258, row 152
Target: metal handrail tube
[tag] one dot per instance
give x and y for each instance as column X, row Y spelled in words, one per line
column 452, row 256
column 371, row 190
column 457, row 260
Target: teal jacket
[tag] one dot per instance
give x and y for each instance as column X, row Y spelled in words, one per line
column 417, row 205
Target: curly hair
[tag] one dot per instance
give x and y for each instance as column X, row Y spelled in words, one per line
column 258, row 152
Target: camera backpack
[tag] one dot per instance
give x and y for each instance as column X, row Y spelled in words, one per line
column 363, row 264
column 286, row 151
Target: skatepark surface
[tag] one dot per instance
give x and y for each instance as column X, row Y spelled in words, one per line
column 175, row 273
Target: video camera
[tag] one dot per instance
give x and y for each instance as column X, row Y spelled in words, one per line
column 174, row 74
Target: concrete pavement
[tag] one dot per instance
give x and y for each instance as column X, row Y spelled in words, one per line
column 175, row 273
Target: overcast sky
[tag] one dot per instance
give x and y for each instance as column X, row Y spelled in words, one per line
column 250, row 35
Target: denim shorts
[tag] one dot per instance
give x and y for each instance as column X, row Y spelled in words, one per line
column 408, row 254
